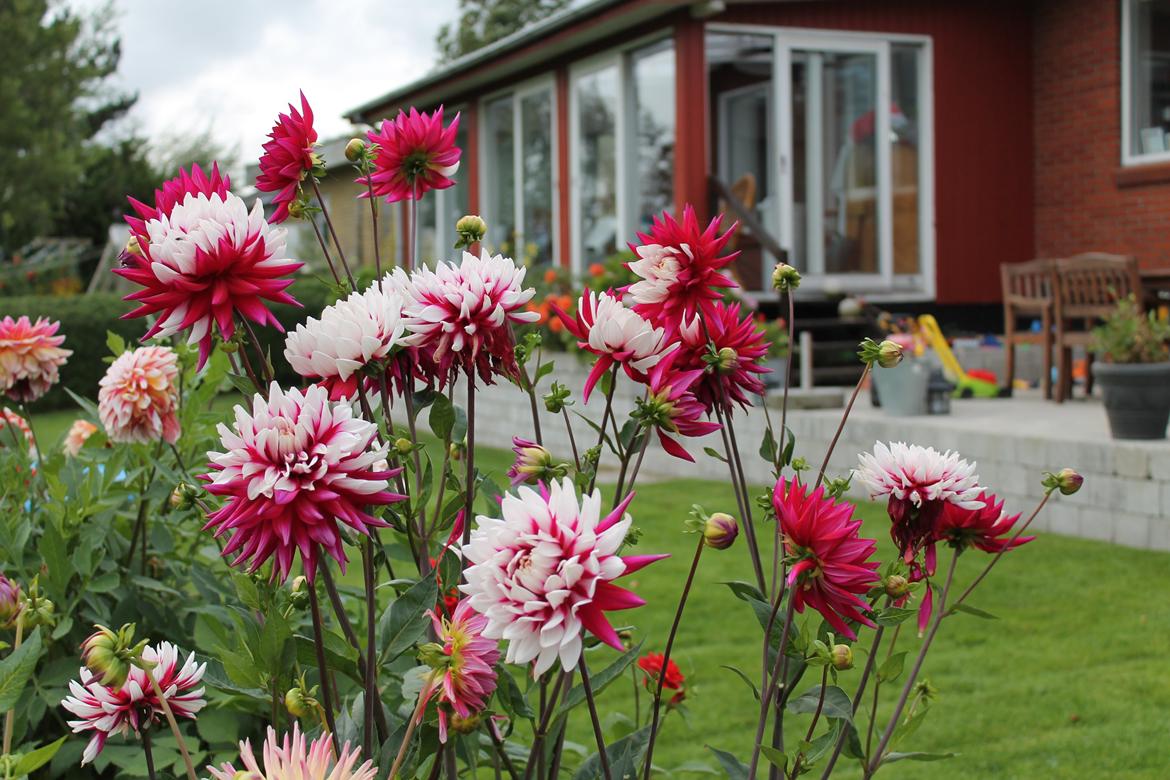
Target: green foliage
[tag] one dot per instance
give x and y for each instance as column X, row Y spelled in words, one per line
column 483, row 21
column 1128, row 336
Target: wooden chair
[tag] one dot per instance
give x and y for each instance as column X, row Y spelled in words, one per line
column 1088, row 287
column 1027, row 293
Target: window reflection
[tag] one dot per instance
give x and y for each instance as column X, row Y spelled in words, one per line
column 652, row 80
column 499, row 208
column 597, row 101
column 537, row 165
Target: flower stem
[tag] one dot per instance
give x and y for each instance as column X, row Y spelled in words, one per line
column 333, row 232
column 770, row 689
column 374, row 220
column 469, row 481
column 741, row 499
column 412, row 242
column 147, row 752
column 542, row 728
column 10, row 716
column 1002, row 550
column 656, row 708
column 604, row 425
column 372, row 698
column 322, row 667
column 622, row 489
column 875, row 759
column 796, row 765
column 324, row 248
column 602, row 756
column 498, row 743
column 841, row 425
column 415, row 717
column 572, row 439
column 170, row 716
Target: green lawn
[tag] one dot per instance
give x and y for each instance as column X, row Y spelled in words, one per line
column 1070, row 682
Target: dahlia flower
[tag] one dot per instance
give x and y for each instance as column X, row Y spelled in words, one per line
column 174, row 192
column 678, row 267
column 464, row 660
column 14, row 422
column 79, row 433
column 414, row 154
column 139, row 396
column 295, row 758
column 731, row 368
column 459, row 316
column 30, row 355
column 132, row 706
column 207, row 261
column 605, row 327
column 829, row 569
column 349, row 337
column 287, row 157
column 983, row 528
column 293, row 467
column 671, row 408
column 674, row 680
column 917, row 482
column 10, row 600
column 543, row 573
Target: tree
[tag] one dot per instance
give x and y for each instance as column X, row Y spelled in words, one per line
column 53, row 101
column 484, row 21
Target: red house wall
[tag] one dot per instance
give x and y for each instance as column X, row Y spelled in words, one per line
column 982, row 123
column 1085, row 200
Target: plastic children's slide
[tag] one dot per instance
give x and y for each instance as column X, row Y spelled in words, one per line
column 968, row 386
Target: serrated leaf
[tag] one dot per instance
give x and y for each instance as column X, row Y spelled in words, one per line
column 115, row 342
column 542, row 371
column 624, row 757
column 17, row 668
column 242, row 383
column 30, row 762
column 768, row 446
column 732, row 766
column 836, row 704
column 744, row 677
column 970, row 610
column 600, row 680
column 405, row 621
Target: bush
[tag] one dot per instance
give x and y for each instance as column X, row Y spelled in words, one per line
column 85, row 320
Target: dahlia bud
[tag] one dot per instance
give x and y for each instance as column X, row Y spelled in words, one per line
column 886, row 354
column 1066, row 481
column 300, row 700
column 896, row 586
column 533, row 463
column 183, row 496
column 720, row 531
column 842, row 657
column 456, row 450
column 110, row 655
column 461, row 725
column 728, row 359
column 556, row 399
column 133, row 248
column 10, row 598
column 404, row 446
column 785, row 278
column 470, row 228
column 355, row 149
column 299, row 592
column 296, row 209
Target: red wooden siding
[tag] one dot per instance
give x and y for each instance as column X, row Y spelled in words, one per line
column 982, row 123
column 564, row 174
column 691, row 162
column 469, row 162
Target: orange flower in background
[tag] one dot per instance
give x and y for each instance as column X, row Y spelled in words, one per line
column 550, row 276
column 597, row 269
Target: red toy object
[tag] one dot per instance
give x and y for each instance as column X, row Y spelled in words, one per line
column 983, row 374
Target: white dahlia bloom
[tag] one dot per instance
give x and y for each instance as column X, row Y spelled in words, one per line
column 919, row 475
column 349, row 335
column 658, row 268
column 543, row 573
column 295, row 758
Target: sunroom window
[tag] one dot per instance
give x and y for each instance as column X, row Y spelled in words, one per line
column 1145, row 44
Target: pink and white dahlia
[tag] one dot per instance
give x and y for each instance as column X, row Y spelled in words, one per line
column 543, row 573
column 829, row 562
column 917, row 482
column 79, row 433
column 208, row 261
column 460, row 316
column 104, row 711
column 671, row 408
column 679, row 268
column 295, row 758
column 729, row 351
column 348, row 338
column 138, row 398
column 30, row 356
column 413, row 154
column 288, row 157
column 174, row 192
column 17, row 428
column 464, row 660
column 294, row 467
column 604, row 326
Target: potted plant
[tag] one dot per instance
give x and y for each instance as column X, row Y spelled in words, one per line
column 1133, row 368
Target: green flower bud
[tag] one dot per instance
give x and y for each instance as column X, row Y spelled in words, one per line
column 404, row 446
column 299, row 592
column 300, row 701
column 556, row 399
column 470, row 228
column 461, row 725
column 1067, row 481
column 896, row 586
column 728, row 359
column 886, row 354
column 110, row 654
column 842, row 657
column 785, row 278
column 355, row 149
column 720, row 530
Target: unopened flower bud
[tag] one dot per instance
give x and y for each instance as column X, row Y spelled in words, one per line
column 10, row 599
column 354, row 149
column 785, row 278
column 183, row 496
column 728, row 360
column 470, row 228
column 299, row 701
column 404, row 446
column 842, row 657
column 556, row 399
column 886, row 354
column 133, row 247
column 456, row 450
column 299, row 592
column 1067, row 481
column 296, row 209
column 110, row 654
column 896, row 586
column 720, row 531
column 461, row 725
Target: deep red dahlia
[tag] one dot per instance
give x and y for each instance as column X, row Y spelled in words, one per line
column 731, row 372
column 679, row 268
column 288, row 157
column 983, row 528
column 829, row 566
column 415, row 153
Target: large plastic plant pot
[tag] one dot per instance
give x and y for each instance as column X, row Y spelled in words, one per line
column 1137, row 398
column 902, row 389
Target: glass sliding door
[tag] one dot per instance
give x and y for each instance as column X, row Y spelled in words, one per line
column 535, row 153
column 499, row 169
column 596, row 98
column 651, row 104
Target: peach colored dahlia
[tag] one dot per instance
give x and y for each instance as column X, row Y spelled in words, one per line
column 79, row 433
column 139, row 396
column 30, row 356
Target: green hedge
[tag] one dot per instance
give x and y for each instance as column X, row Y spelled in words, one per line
column 85, row 319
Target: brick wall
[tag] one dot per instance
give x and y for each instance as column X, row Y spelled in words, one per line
column 1080, row 203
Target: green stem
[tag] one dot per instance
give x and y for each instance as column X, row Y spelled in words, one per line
column 322, row 666
column 602, row 756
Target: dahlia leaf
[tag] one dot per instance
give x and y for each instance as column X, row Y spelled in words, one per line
column 30, row 762
column 115, row 342
column 405, row 620
column 442, row 417
column 778, row 758
column 892, row 616
column 601, row 679
column 836, row 703
column 768, row 447
column 735, row 769
column 745, row 590
column 509, row 695
column 242, row 383
column 916, row 756
column 891, row 668
column 624, row 756
column 17, row 668
column 339, row 653
column 744, row 677
column 970, row 610
column 714, row 453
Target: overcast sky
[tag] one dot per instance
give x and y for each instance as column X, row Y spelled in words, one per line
column 231, row 65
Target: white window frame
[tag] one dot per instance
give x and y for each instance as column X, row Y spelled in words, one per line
column 889, row 286
column 620, row 59
column 1130, row 156
column 517, row 93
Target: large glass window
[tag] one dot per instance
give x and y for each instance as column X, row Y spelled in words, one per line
column 597, row 107
column 536, row 155
column 1146, row 48
column 652, row 103
column 904, row 156
column 499, row 174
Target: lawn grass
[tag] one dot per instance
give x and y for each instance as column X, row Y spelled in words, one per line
column 1071, row 681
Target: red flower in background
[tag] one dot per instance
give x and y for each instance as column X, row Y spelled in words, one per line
column 673, row 679
column 415, row 154
column 732, row 372
column 287, row 157
column 830, row 569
